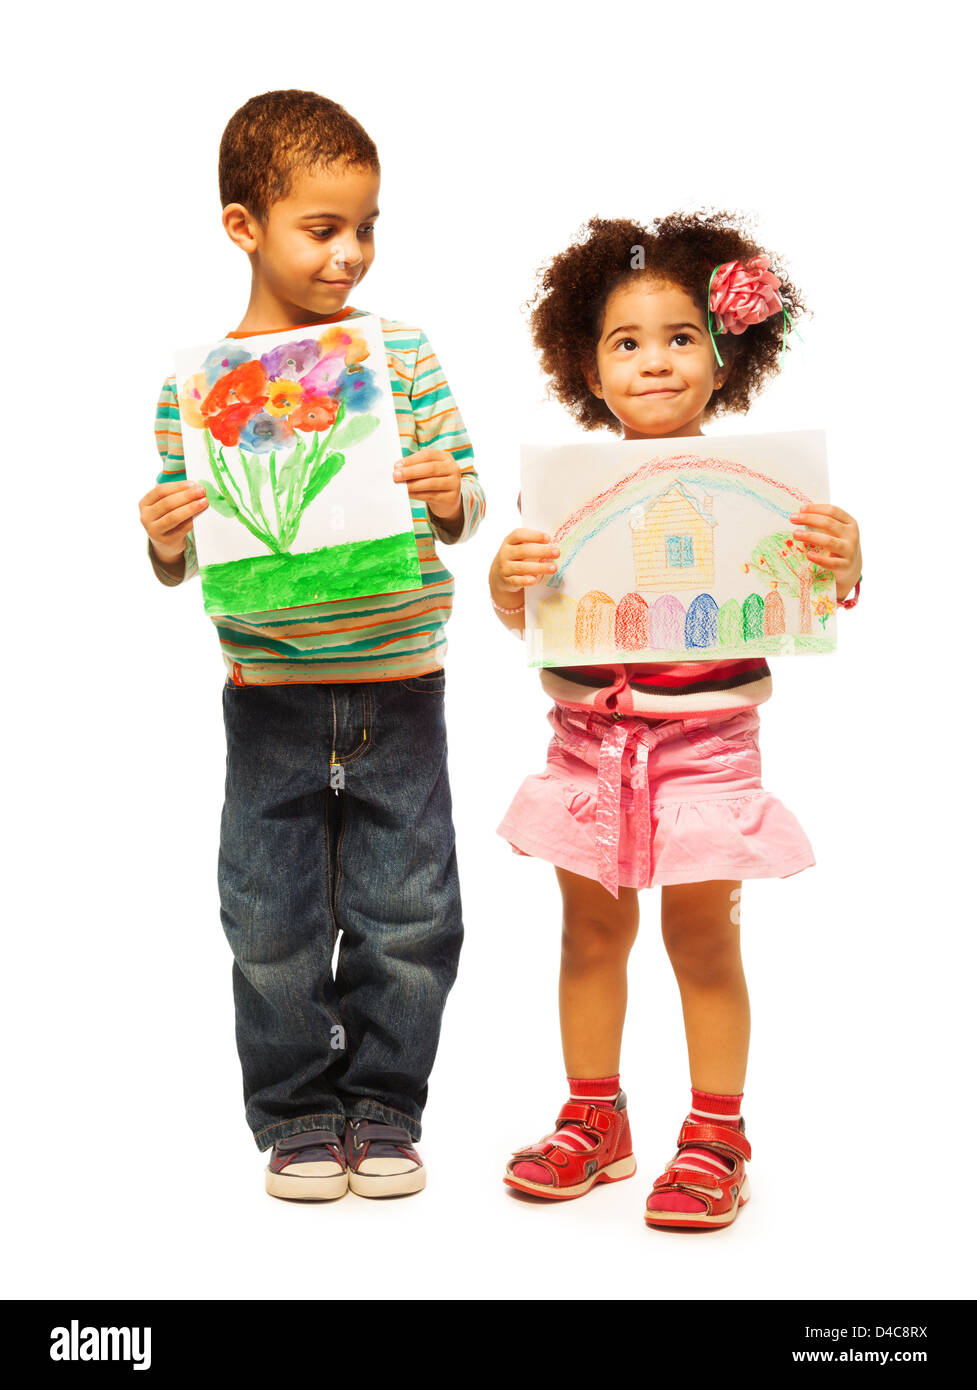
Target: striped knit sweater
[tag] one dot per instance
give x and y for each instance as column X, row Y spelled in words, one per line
column 385, row 636
column 663, row 690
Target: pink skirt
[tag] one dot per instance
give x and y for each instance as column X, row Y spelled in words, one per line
column 635, row 802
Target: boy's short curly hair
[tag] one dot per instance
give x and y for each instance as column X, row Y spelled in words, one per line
column 273, row 135
column 567, row 311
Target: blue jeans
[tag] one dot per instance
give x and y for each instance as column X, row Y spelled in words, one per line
column 372, row 863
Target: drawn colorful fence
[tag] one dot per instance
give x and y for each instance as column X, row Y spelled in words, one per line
column 663, row 626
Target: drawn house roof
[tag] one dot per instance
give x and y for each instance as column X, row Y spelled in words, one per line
column 706, row 516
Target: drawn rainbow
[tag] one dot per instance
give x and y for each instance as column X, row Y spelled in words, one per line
column 714, row 474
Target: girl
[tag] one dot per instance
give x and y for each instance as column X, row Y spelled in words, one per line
column 653, row 773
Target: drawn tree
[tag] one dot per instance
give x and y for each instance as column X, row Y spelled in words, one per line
column 782, row 561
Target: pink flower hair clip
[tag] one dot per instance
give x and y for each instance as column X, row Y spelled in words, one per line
column 742, row 293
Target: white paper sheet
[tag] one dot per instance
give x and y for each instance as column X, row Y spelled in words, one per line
column 676, row 550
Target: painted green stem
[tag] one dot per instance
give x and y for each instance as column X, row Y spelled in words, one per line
column 288, row 514
column 218, row 479
column 244, row 516
column 219, row 462
column 242, row 506
column 293, row 510
column 257, row 502
column 293, row 485
column 321, row 442
column 273, row 475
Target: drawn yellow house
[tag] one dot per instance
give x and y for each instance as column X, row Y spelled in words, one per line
column 672, row 542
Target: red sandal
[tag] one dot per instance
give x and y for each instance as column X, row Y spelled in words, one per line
column 723, row 1197
column 575, row 1173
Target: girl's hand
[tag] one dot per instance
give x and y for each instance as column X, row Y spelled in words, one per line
column 523, row 557
column 433, row 476
column 832, row 541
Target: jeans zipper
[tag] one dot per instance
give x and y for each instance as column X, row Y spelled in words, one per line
column 337, row 773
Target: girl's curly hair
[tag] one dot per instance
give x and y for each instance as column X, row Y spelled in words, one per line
column 567, row 311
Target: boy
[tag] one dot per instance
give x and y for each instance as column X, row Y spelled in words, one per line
column 337, row 812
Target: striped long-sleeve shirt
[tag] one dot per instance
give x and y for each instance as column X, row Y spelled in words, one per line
column 382, row 637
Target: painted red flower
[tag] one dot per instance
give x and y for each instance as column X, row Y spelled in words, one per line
column 233, row 399
column 315, row 413
column 227, row 427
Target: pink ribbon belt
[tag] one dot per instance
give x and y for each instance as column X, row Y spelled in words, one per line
column 620, row 736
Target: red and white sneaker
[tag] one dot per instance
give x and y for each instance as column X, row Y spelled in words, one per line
column 382, row 1160
column 307, row 1167
column 710, row 1168
column 572, row 1171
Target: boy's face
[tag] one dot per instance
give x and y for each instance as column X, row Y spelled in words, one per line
column 655, row 365
column 317, row 244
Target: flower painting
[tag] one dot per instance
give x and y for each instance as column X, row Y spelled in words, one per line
column 293, row 436
column 677, row 550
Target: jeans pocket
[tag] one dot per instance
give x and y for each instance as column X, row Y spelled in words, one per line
column 430, row 684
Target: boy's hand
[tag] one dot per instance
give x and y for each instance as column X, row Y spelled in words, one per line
column 831, row 541
column 433, row 476
column 167, row 512
column 523, row 557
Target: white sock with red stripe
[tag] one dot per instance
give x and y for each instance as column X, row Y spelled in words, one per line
column 707, row 1109
column 600, row 1090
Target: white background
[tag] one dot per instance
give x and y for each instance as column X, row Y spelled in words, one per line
column 128, row 1168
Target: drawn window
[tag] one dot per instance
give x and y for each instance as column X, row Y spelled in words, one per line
column 680, row 550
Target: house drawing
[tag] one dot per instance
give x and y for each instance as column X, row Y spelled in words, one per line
column 672, row 541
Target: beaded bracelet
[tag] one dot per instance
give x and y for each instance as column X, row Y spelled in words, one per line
column 499, row 609
column 850, row 602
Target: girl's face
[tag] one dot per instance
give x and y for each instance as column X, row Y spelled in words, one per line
column 656, row 369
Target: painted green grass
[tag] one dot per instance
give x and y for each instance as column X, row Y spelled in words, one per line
column 783, row 644
column 264, row 582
